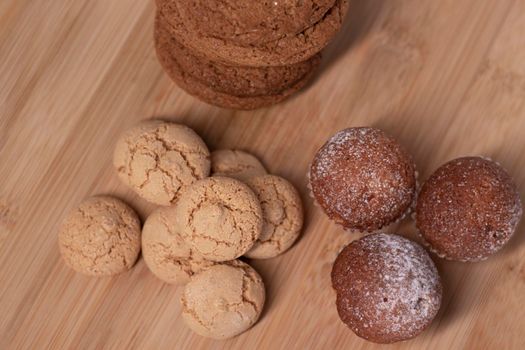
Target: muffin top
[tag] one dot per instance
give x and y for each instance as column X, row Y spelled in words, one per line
column 363, row 179
column 468, row 209
column 388, row 289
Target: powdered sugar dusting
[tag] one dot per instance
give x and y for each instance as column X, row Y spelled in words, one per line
column 363, row 179
column 468, row 209
column 388, row 287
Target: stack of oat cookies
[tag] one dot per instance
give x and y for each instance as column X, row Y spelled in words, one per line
column 244, row 54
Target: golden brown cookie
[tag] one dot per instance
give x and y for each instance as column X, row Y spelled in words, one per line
column 158, row 159
column 101, row 237
column 237, row 164
column 165, row 252
column 282, row 215
column 284, row 51
column 251, row 22
column 223, row 301
column 220, row 218
column 224, row 85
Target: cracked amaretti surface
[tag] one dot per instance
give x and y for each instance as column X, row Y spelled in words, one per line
column 237, row 164
column 282, row 215
column 224, row 300
column 158, row 159
column 220, row 217
column 388, row 289
column 165, row 252
column 101, row 237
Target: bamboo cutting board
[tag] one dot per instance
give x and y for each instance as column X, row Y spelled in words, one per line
column 447, row 78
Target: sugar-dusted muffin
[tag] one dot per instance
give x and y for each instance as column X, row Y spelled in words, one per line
column 388, row 289
column 363, row 179
column 468, row 209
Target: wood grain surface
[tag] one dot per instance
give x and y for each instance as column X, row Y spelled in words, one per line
column 447, row 78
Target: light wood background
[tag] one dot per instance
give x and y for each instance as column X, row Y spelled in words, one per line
column 447, row 78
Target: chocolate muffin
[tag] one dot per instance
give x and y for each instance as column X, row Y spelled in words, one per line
column 228, row 86
column 251, row 22
column 363, row 179
column 388, row 289
column 468, row 209
column 284, row 51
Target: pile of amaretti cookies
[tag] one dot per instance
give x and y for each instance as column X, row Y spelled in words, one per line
column 244, row 54
column 202, row 225
column 388, row 288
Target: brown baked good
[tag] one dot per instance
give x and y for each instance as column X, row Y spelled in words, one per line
column 282, row 214
column 468, row 209
column 229, row 86
column 238, row 164
column 250, row 22
column 220, row 218
column 388, row 289
column 287, row 50
column 224, row 300
column 363, row 179
column 165, row 251
column 100, row 237
column 158, row 159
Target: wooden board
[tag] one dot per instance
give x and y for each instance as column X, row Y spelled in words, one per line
column 447, row 78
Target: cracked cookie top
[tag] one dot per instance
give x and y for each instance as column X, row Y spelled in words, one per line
column 224, row 300
column 101, row 237
column 237, row 164
column 220, row 218
column 158, row 159
column 282, row 215
column 165, row 252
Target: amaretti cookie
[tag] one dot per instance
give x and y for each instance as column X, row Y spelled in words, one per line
column 220, row 217
column 100, row 237
column 363, row 179
column 251, row 22
column 468, row 209
column 237, row 164
column 388, row 289
column 223, row 301
column 158, row 159
column 228, row 86
column 289, row 49
column 282, row 215
column 165, row 251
